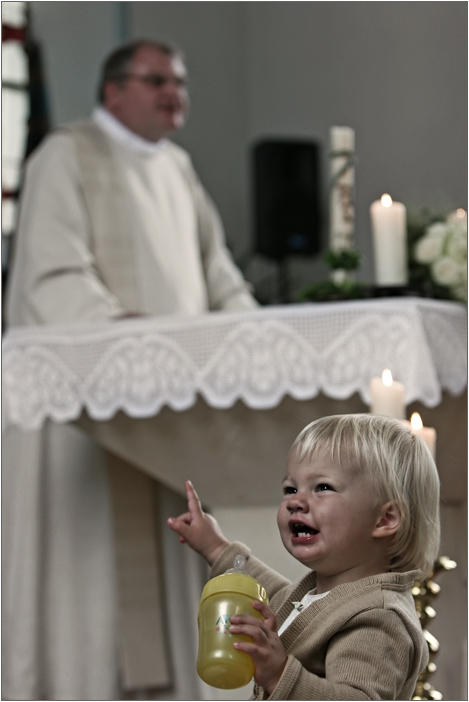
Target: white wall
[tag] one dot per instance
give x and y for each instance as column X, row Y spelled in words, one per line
column 74, row 38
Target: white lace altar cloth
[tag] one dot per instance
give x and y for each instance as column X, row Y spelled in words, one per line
column 258, row 357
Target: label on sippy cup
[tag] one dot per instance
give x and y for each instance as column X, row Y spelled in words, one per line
column 223, row 623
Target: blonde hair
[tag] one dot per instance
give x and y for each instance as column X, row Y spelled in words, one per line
column 402, row 470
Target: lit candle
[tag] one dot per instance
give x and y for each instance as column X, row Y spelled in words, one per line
column 387, row 396
column 342, row 196
column 388, row 223
column 428, row 434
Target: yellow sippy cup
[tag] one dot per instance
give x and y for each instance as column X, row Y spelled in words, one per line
column 218, row 663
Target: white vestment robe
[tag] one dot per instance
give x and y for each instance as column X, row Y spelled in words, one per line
column 60, row 624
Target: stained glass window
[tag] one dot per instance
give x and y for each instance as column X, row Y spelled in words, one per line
column 15, row 113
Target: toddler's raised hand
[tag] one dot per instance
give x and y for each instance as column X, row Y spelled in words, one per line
column 198, row 529
column 266, row 649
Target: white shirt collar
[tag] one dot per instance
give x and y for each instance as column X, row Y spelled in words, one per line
column 122, row 134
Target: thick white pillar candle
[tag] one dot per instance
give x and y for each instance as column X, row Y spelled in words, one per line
column 342, row 195
column 388, row 223
column 428, row 434
column 387, row 396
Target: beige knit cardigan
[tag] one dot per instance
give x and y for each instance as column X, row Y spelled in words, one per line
column 363, row 641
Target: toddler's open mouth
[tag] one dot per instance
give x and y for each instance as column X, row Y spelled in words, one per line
column 301, row 530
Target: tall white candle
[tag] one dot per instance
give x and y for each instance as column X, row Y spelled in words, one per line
column 428, row 434
column 388, row 223
column 387, row 396
column 342, row 196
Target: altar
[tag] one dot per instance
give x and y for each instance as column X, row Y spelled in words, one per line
column 219, row 399
column 232, row 390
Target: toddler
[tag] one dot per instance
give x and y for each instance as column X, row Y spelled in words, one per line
column 360, row 508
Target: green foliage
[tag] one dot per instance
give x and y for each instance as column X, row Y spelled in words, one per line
column 342, row 287
column 328, row 290
column 347, row 259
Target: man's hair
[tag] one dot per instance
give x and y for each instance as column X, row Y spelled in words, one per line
column 117, row 64
column 400, row 467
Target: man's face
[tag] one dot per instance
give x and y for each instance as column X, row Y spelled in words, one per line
column 152, row 111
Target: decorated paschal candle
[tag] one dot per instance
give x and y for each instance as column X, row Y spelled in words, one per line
column 342, row 188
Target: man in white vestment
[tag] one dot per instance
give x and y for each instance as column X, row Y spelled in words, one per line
column 113, row 223
column 175, row 236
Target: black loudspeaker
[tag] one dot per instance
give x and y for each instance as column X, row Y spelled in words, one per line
column 286, row 198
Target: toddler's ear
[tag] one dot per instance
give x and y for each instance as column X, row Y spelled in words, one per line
column 388, row 521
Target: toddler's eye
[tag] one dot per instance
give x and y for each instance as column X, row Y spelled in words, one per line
column 323, row 486
column 289, row 490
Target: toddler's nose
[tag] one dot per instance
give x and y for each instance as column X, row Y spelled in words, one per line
column 297, row 503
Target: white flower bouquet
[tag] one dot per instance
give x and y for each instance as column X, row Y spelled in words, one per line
column 438, row 255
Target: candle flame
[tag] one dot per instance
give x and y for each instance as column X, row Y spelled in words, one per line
column 416, row 421
column 386, row 200
column 387, row 377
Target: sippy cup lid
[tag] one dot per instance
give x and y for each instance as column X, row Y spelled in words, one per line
column 236, row 579
column 238, row 565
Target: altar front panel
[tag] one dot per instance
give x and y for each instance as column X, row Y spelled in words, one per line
column 238, row 456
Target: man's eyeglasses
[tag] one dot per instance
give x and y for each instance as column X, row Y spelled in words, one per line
column 156, row 80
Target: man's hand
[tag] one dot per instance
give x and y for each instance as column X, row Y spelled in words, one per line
column 198, row 529
column 266, row 649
